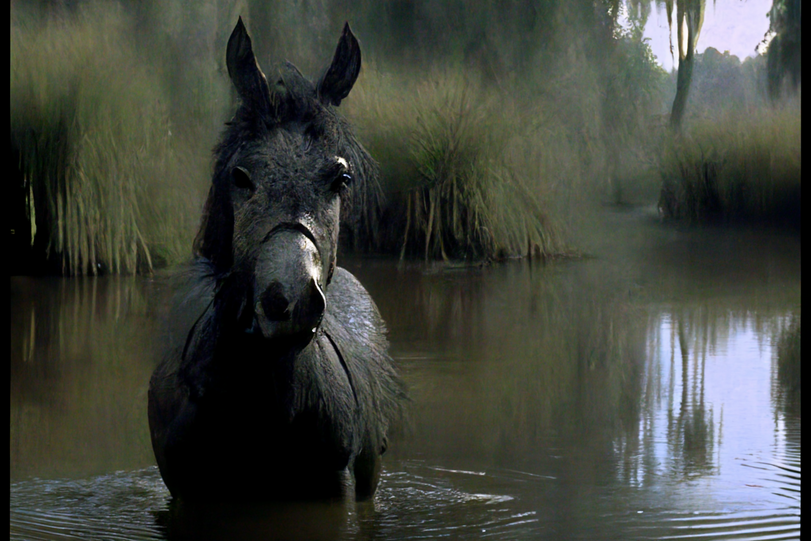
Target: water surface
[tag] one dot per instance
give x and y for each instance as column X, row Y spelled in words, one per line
column 634, row 394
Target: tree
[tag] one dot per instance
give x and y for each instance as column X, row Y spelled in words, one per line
column 783, row 55
column 689, row 18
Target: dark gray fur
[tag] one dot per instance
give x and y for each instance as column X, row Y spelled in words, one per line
column 251, row 403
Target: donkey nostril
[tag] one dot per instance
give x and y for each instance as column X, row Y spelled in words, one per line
column 274, row 304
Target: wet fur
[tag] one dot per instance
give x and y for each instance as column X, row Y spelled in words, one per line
column 239, row 416
column 224, row 409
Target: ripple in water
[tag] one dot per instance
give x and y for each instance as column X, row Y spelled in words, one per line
column 114, row 507
column 425, row 502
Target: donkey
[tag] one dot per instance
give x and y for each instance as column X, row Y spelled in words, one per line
column 283, row 382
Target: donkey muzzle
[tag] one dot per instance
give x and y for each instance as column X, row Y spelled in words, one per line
column 288, row 300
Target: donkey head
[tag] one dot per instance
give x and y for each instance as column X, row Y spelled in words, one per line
column 283, row 169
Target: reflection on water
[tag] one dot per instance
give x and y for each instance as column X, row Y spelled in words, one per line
column 652, row 391
column 786, row 387
column 80, row 360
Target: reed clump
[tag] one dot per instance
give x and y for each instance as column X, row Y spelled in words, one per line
column 449, row 169
column 109, row 186
column 735, row 168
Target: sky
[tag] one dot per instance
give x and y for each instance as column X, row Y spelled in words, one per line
column 736, row 26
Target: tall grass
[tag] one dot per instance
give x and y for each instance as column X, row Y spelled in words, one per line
column 109, row 185
column 736, row 166
column 454, row 185
column 485, row 166
column 113, row 112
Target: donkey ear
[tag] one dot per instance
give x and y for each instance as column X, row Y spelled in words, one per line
column 244, row 71
column 336, row 83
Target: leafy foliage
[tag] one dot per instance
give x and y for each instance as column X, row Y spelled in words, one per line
column 785, row 50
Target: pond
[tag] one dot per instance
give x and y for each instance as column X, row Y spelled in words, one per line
column 646, row 391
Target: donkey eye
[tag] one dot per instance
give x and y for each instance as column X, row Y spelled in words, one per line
column 242, row 179
column 344, row 179
column 343, row 176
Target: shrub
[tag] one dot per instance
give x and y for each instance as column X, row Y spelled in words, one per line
column 735, row 167
column 453, row 184
column 109, row 186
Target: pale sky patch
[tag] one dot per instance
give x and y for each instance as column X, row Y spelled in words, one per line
column 737, row 26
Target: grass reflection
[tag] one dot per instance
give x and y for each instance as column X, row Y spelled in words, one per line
column 691, row 430
column 508, row 364
column 77, row 346
column 584, row 374
column 787, row 391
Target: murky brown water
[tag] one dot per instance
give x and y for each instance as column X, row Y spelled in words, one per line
column 636, row 394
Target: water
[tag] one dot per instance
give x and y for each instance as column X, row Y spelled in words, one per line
column 635, row 394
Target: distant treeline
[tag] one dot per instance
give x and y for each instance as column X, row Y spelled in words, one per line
column 722, row 82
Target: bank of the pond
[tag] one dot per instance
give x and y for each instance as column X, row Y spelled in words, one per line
column 741, row 167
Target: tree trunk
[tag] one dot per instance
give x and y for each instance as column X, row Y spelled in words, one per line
column 685, row 74
column 682, row 90
column 691, row 12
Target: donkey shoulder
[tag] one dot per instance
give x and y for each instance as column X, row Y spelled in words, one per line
column 350, row 306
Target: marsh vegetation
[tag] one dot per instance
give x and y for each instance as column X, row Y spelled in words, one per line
column 736, row 168
column 498, row 131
